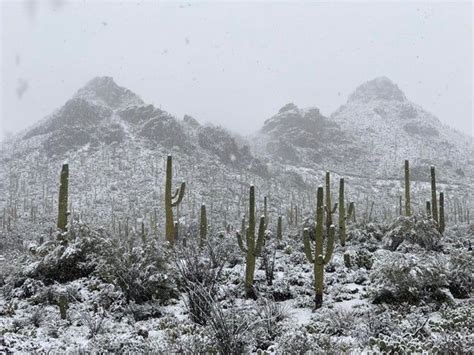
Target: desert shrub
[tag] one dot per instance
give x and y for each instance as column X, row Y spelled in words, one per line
column 68, row 259
column 200, row 269
column 399, row 278
column 271, row 314
column 460, row 273
column 412, row 230
column 140, row 272
column 37, row 316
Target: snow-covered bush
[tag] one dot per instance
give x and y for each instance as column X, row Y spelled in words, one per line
column 140, row 272
column 460, row 273
column 399, row 278
column 412, row 230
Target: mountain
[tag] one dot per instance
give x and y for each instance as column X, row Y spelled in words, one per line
column 104, row 113
column 370, row 135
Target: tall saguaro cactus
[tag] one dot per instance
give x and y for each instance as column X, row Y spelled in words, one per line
column 407, row 189
column 203, row 226
column 279, row 229
column 63, row 198
column 171, row 200
column 328, row 199
column 342, row 213
column 319, row 258
column 434, row 203
column 253, row 248
column 442, row 225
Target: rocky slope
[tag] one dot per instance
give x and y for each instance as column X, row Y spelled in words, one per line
column 370, row 135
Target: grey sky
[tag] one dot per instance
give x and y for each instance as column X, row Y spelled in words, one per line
column 235, row 63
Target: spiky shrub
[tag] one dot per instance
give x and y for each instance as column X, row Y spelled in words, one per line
column 171, row 200
column 342, row 213
column 319, row 258
column 203, row 226
column 63, row 197
column 407, row 189
column 434, row 203
column 253, row 248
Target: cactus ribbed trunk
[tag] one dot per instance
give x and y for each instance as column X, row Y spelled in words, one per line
column 328, row 200
column 407, row 189
column 250, row 259
column 434, row 203
column 428, row 209
column 279, row 229
column 203, row 226
column 442, row 225
column 63, row 198
column 342, row 213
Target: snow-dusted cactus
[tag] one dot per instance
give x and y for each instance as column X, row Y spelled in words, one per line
column 317, row 258
column 428, row 209
column 171, row 200
column 442, row 225
column 265, row 211
column 63, row 198
column 63, row 306
column 434, row 203
column 351, row 212
column 407, row 189
column 253, row 248
column 342, row 213
column 279, row 229
column 203, row 226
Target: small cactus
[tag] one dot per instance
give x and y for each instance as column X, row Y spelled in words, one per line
column 63, row 198
column 317, row 258
column 63, row 306
column 171, row 200
column 252, row 248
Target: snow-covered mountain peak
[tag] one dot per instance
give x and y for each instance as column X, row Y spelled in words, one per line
column 103, row 90
column 381, row 88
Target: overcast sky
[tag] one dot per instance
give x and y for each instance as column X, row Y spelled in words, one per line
column 235, row 63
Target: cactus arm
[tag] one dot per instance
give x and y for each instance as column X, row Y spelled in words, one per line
column 241, row 243
column 261, row 236
column 334, row 208
column 180, row 196
column 329, row 245
column 307, row 246
column 175, row 194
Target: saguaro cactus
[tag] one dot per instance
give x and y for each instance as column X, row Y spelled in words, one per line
column 428, row 209
column 203, row 226
column 317, row 258
column 351, row 212
column 442, row 225
column 253, row 248
column 434, row 203
column 279, row 229
column 407, row 189
column 63, row 306
column 63, row 197
column 342, row 213
column 171, row 200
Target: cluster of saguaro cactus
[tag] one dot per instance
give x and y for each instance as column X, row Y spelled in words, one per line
column 319, row 258
column 171, row 200
column 63, row 197
column 253, row 248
